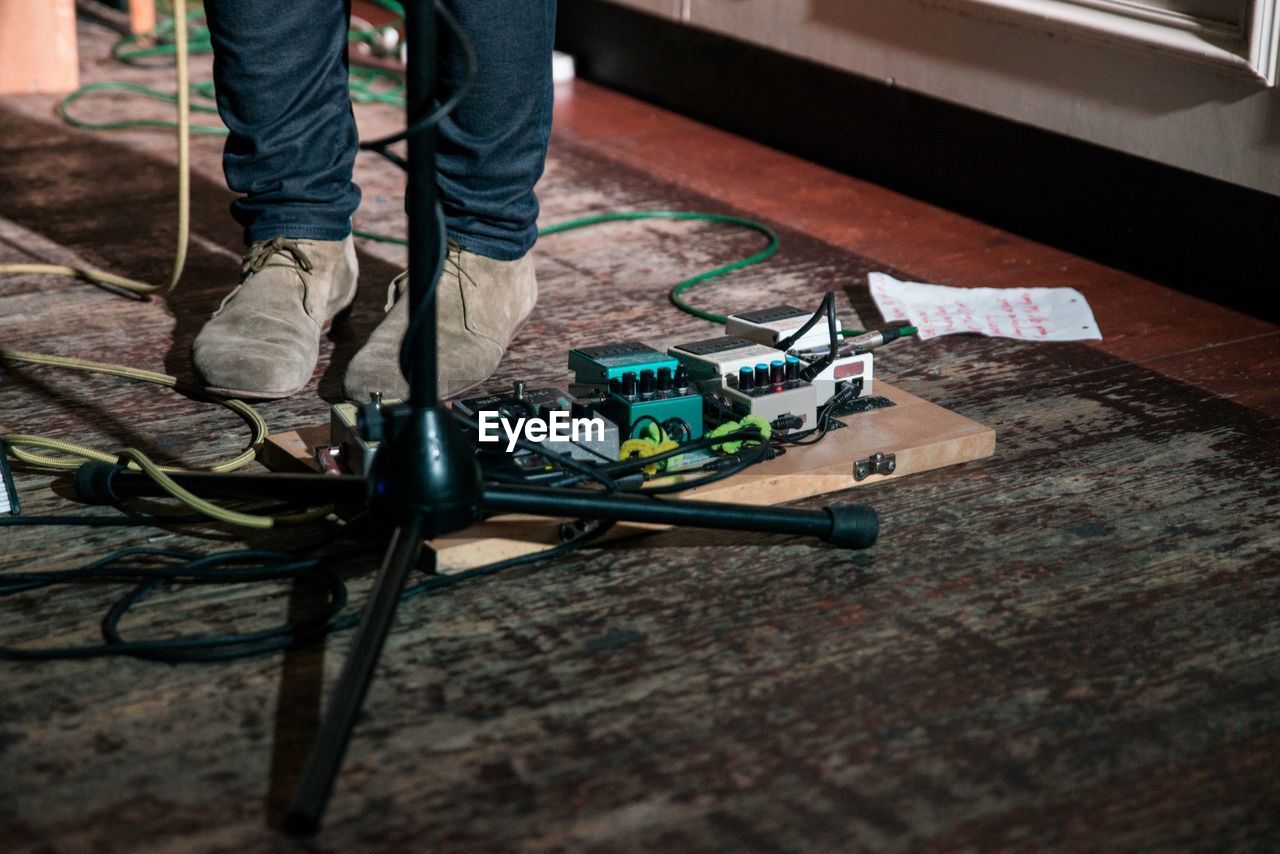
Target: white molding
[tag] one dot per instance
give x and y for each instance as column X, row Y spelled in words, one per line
column 1248, row 47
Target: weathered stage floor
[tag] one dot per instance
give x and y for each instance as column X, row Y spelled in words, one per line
column 1073, row 644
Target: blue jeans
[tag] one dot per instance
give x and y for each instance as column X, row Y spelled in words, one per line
column 281, row 75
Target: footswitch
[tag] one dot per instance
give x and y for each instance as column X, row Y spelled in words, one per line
column 768, row 326
column 718, row 360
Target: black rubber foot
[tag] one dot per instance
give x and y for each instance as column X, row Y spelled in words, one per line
column 853, row 526
column 93, row 483
column 300, row 825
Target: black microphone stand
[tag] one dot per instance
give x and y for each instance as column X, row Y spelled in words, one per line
column 425, row 477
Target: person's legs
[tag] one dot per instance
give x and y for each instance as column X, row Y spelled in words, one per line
column 281, row 76
column 494, row 145
column 492, row 149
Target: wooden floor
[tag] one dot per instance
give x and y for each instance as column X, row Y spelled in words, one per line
column 1179, row 336
column 1072, row 645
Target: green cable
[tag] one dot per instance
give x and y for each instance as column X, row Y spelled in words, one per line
column 367, row 85
column 391, row 6
column 623, row 216
column 202, row 90
column 198, row 39
column 681, row 287
column 675, row 293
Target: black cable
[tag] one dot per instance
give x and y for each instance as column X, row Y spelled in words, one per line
column 624, row 467
column 220, row 568
column 833, row 347
column 827, row 305
column 643, row 418
column 380, row 145
column 755, row 455
column 412, row 333
column 136, row 564
column 638, row 463
column 440, row 582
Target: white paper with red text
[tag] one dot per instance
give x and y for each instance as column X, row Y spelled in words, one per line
column 1032, row 314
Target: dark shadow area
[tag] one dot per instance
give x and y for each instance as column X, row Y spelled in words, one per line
column 298, row 708
column 352, row 329
column 1199, row 235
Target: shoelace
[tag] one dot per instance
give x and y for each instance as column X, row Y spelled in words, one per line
column 262, row 251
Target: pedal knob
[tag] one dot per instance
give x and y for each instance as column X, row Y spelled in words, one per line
column 681, row 379
column 648, row 382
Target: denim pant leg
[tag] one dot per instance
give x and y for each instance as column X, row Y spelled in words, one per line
column 493, row 146
column 281, row 75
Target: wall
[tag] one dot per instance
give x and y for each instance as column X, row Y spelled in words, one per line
column 1174, row 90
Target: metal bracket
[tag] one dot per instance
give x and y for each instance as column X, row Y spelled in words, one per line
column 877, row 463
column 578, row 528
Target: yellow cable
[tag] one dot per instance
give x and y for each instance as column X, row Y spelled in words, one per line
column 83, row 452
column 74, row 453
column 110, row 280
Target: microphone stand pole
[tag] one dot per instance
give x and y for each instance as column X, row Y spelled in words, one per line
column 424, row 477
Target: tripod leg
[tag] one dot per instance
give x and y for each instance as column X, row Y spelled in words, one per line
column 325, row 759
column 849, row 526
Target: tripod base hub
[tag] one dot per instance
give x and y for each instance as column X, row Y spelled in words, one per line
column 425, row 468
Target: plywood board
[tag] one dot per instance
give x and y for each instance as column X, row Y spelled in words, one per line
column 921, row 435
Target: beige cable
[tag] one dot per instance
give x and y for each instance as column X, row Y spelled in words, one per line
column 73, row 453
column 111, row 280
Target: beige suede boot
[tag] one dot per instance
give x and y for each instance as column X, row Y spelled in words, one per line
column 264, row 340
column 480, row 305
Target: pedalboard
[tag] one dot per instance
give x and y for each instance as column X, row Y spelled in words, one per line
column 632, row 387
